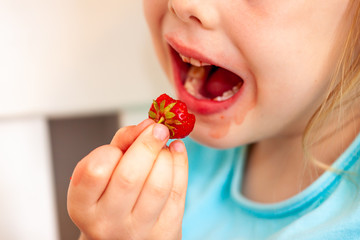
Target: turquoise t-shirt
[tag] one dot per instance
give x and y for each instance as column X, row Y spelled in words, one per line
column 216, row 210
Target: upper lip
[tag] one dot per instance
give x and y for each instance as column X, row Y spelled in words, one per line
column 194, row 53
column 188, row 52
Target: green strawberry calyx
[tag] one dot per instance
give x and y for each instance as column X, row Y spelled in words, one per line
column 164, row 115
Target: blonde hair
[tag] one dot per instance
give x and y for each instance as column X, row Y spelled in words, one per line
column 344, row 85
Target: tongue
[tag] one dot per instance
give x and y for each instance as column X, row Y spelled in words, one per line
column 219, row 82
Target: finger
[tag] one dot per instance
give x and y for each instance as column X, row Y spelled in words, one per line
column 91, row 176
column 125, row 136
column 133, row 169
column 155, row 191
column 173, row 210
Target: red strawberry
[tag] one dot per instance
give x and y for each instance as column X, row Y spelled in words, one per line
column 173, row 114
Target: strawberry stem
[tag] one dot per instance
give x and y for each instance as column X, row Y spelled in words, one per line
column 162, row 119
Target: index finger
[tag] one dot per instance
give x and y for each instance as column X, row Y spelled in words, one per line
column 124, row 137
column 134, row 167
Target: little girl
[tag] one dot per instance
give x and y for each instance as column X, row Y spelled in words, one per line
column 275, row 151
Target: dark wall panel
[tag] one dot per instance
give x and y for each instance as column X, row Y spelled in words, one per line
column 71, row 140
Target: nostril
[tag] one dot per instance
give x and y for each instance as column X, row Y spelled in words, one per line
column 191, row 11
column 172, row 10
column 195, row 19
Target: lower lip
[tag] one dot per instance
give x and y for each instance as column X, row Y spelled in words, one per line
column 201, row 106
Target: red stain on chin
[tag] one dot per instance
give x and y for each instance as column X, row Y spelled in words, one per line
column 224, row 122
column 222, row 130
column 240, row 113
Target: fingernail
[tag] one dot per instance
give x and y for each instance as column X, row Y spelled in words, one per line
column 178, row 146
column 160, row 132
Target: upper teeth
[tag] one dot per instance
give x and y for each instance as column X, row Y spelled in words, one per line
column 193, row 61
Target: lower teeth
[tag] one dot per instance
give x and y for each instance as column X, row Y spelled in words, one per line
column 228, row 94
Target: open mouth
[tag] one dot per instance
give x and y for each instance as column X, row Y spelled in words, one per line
column 205, row 87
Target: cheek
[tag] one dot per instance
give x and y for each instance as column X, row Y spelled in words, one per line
column 154, row 9
column 155, row 13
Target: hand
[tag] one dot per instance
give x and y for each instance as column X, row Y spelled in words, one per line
column 133, row 188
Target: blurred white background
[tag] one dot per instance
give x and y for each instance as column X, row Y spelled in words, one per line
column 63, row 59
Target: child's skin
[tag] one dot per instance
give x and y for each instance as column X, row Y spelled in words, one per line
column 283, row 49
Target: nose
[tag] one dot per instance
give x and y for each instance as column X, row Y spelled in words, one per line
column 202, row 12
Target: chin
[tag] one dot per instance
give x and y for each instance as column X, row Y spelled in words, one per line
column 201, row 136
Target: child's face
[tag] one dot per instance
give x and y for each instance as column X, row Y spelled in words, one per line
column 279, row 52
